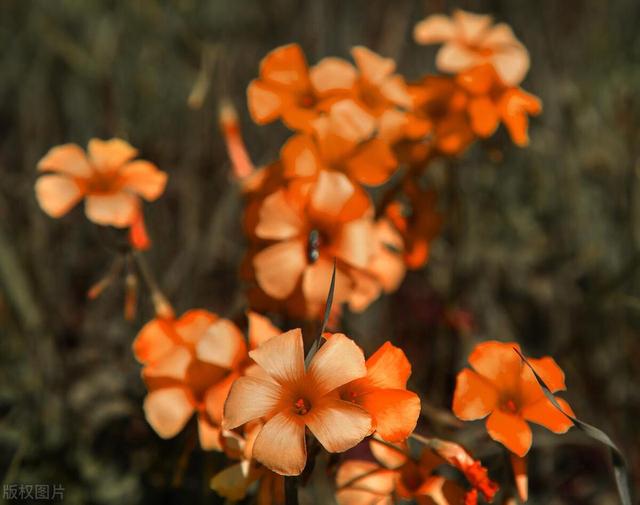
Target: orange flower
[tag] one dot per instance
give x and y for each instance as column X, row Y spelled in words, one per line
column 470, row 40
column 383, row 393
column 418, row 221
column 502, row 387
column 107, row 179
column 189, row 366
column 308, row 225
column 291, row 397
column 287, row 89
column 343, row 141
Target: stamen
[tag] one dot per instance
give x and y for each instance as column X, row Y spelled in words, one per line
column 301, row 406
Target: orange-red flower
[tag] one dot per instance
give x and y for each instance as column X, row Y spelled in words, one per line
column 109, row 181
column 383, row 393
column 292, row 398
column 500, row 386
column 306, row 226
column 287, row 89
column 470, row 40
column 189, row 366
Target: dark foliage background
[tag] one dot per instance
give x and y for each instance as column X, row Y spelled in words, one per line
column 542, row 245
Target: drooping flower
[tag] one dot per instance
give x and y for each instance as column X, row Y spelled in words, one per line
column 305, row 226
column 470, row 40
column 383, row 393
column 287, row 89
column 107, row 178
column 292, row 397
column 185, row 374
column 501, row 387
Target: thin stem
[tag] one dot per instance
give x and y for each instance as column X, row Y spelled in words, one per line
column 160, row 302
column 291, row 490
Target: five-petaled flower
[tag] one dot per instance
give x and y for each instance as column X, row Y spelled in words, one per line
column 107, row 178
column 291, row 397
column 501, row 386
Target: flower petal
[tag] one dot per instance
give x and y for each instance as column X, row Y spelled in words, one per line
column 434, row 29
column 278, row 267
column 144, row 178
column 216, row 396
column 277, row 218
column 280, row 445
column 454, row 57
column 152, row 342
column 261, row 329
column 282, row 357
column 286, row 66
column 222, row 344
column 57, row 194
column 350, row 121
column 510, row 430
column 68, row 159
column 316, row 280
column 373, row 67
column 250, row 398
column 484, row 116
column 330, row 194
column 364, row 483
column 168, row 410
column 173, row 364
column 337, row 362
column 498, row 362
column 193, row 324
column 394, row 412
column 209, row 435
column 331, row 75
column 545, row 414
column 110, row 154
column 373, row 163
column 475, row 397
column 355, row 243
column 300, row 157
column 265, row 103
column 338, row 425
column 472, row 28
column 117, row 209
column 388, row 367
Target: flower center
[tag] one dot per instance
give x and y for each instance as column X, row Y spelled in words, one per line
column 306, row 100
column 103, row 182
column 301, row 406
column 313, row 246
column 510, row 406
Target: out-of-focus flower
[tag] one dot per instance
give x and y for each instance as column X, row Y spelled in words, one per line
column 107, row 179
column 305, row 226
column 363, row 483
column 240, row 161
column 291, row 398
column 417, row 220
column 383, row 393
column 500, row 386
column 287, row 89
column 470, row 40
column 189, row 366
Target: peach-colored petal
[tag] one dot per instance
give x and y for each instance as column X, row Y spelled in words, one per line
column 394, row 412
column 330, row 194
column 373, row 163
column 364, row 483
column 57, row 194
column 395, row 90
column 265, row 103
column 222, row 344
column 338, row 425
column 316, row 280
column 545, row 414
column 280, row 445
column 475, row 397
column 152, row 342
column 299, row 118
column 510, row 430
column 250, row 398
column 277, row 219
column 278, row 267
column 173, row 364
column 373, row 67
column 471, row 27
column 286, row 66
column 68, row 159
column 454, row 57
column 388, row 367
column 337, row 362
column 332, row 74
column 434, row 29
column 365, row 290
column 193, row 324
column 351, row 122
column 300, row 157
column 261, row 329
column 216, row 396
column 386, row 455
column 355, row 244
column 168, row 410
column 282, row 356
column 110, row 154
column 116, row 209
column 512, row 64
column 144, row 178
column 209, row 435
column 498, row 362
column 392, row 126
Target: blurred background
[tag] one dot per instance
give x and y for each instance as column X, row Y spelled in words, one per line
column 541, row 245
